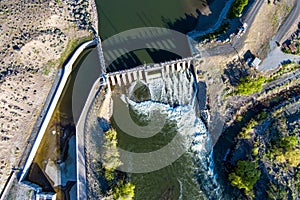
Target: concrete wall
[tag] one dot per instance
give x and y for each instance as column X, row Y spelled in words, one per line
column 66, row 73
column 81, row 185
column 146, row 73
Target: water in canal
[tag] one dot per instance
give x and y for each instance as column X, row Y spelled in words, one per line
column 54, row 166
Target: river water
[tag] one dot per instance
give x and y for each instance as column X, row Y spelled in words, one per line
column 54, row 165
column 164, row 146
column 191, row 175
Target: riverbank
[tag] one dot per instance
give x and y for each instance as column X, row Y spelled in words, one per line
column 198, row 31
column 47, row 111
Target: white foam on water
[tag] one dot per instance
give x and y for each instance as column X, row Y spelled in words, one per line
column 178, row 89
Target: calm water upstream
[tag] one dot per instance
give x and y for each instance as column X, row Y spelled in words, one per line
column 117, row 16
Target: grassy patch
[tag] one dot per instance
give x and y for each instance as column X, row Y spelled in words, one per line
column 248, row 86
column 46, row 70
column 71, row 46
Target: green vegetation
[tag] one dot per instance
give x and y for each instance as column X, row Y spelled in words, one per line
column 262, row 115
column 120, row 190
column 110, row 157
column 46, row 70
column 248, row 86
column 245, row 133
column 246, row 174
column 276, row 192
column 255, row 151
column 124, row 191
column 221, row 30
column 71, row 46
column 284, row 69
column 237, row 8
column 285, row 151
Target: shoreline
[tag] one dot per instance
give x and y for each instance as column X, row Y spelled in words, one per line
column 94, row 15
column 194, row 33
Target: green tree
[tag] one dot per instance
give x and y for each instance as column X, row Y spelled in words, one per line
column 286, row 151
column 124, row 191
column 237, row 8
column 110, row 154
column 245, row 176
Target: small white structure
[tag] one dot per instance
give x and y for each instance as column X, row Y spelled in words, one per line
column 46, row 196
column 256, row 62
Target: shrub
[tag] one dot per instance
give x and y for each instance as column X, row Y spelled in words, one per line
column 124, row 191
column 285, row 151
column 249, row 86
column 237, row 8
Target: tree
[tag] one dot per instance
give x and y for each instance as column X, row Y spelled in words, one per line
column 245, row 176
column 124, row 191
column 110, row 154
column 237, row 8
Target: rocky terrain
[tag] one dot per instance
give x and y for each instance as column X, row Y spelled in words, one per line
column 36, row 37
column 259, row 147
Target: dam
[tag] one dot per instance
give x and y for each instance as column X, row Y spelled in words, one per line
column 147, row 72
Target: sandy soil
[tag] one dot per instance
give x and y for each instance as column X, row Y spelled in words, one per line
column 33, row 37
column 265, row 25
column 211, row 69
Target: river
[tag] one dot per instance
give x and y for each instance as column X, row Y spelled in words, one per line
column 54, row 165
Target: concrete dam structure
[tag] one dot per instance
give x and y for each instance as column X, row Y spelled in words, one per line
column 148, row 73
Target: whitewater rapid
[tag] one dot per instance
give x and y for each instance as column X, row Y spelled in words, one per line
column 172, row 100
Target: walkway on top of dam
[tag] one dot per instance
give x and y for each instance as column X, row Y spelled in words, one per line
column 148, row 72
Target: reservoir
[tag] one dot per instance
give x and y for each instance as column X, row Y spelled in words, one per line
column 117, row 16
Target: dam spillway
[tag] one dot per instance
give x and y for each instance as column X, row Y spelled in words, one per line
column 147, row 73
column 168, row 88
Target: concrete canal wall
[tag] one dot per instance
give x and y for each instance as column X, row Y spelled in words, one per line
column 50, row 110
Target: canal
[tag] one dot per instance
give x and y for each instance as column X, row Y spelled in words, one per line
column 54, row 166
